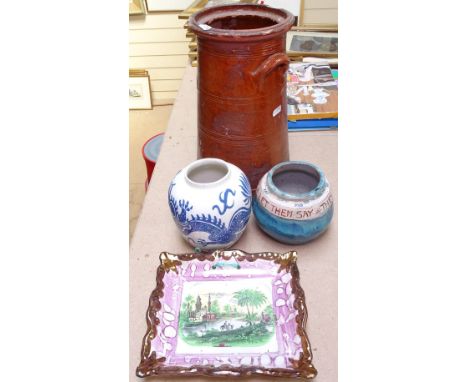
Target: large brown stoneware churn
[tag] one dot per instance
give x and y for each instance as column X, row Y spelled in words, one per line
column 242, row 111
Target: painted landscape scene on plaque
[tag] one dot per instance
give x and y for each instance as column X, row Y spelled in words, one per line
column 228, row 315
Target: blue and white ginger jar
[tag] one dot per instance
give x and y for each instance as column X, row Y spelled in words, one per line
column 210, row 201
column 294, row 203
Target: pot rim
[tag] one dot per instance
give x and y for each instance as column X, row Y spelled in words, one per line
column 202, row 162
column 144, row 147
column 315, row 193
column 283, row 18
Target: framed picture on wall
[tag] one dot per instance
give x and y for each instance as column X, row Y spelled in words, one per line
column 312, row 43
column 167, row 5
column 136, row 7
column 139, row 90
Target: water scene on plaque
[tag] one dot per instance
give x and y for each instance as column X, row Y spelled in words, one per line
column 227, row 314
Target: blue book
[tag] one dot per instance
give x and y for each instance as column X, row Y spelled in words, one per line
column 313, row 124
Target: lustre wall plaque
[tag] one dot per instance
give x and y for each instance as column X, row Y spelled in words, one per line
column 227, row 313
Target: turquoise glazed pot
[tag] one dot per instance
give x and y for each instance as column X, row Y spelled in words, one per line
column 293, row 204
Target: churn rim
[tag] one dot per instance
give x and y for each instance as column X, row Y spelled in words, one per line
column 284, row 19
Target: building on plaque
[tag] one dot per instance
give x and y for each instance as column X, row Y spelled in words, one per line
column 202, row 312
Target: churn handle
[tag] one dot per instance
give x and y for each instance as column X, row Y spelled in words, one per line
column 266, row 67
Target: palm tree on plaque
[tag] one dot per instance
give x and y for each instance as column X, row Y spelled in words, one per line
column 251, row 299
column 257, row 299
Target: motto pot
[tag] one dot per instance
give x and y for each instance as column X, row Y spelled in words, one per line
column 242, row 110
column 294, row 204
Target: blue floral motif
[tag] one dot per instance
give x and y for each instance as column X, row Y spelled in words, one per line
column 245, row 187
column 217, row 231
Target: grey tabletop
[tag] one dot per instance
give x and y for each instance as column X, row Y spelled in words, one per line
column 155, row 232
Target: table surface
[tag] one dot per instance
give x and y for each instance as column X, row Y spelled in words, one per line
column 156, row 233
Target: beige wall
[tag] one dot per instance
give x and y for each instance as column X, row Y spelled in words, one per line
column 320, row 12
column 158, row 44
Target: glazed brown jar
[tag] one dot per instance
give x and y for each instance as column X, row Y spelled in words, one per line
column 242, row 110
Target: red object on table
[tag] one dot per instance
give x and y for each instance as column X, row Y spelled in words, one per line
column 150, row 152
